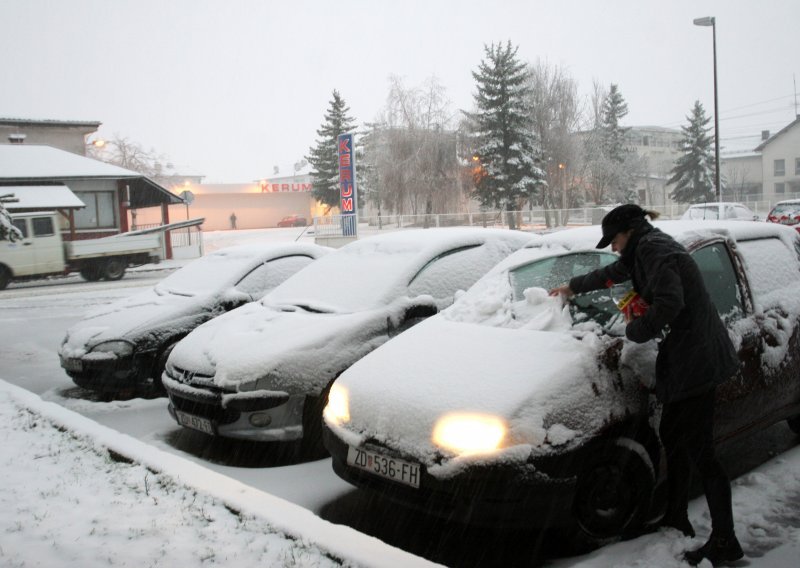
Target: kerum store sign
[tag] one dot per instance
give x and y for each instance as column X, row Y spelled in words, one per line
column 347, row 185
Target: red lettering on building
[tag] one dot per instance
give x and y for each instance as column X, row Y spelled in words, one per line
column 347, row 204
column 344, row 160
column 343, row 146
column 347, row 189
column 345, row 175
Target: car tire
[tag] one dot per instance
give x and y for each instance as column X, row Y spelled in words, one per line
column 311, row 446
column 91, row 272
column 5, row 277
column 794, row 424
column 155, row 388
column 114, row 269
column 614, row 491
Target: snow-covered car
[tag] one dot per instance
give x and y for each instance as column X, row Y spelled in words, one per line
column 719, row 212
column 262, row 372
column 511, row 407
column 121, row 348
column 786, row 213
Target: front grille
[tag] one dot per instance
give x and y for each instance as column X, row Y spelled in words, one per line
column 213, row 412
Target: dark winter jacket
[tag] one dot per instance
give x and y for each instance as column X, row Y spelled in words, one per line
column 697, row 352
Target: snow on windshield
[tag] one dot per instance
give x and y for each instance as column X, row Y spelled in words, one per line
column 212, row 272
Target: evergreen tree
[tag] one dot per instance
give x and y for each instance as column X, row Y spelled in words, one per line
column 7, row 229
column 324, row 157
column 693, row 173
column 508, row 153
column 613, row 111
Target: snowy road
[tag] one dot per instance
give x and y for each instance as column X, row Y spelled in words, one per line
column 33, row 319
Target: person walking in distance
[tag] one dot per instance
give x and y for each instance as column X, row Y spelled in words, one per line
column 694, row 356
column 233, row 220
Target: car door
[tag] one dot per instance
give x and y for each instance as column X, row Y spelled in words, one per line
column 19, row 255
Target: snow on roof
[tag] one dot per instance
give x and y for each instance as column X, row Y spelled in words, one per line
column 41, row 197
column 49, row 122
column 27, row 161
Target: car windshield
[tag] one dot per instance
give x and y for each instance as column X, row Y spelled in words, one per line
column 548, row 273
column 361, row 276
column 207, row 274
column 704, row 212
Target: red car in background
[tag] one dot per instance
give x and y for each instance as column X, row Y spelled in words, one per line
column 293, row 221
column 786, row 213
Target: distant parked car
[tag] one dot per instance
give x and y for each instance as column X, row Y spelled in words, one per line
column 719, row 211
column 293, row 221
column 262, row 372
column 511, row 408
column 786, row 213
column 122, row 347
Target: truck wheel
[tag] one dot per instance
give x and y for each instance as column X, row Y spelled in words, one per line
column 114, row 269
column 91, row 272
column 5, row 277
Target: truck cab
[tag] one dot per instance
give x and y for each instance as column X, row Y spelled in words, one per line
column 39, row 252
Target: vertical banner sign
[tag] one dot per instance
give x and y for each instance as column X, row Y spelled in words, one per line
column 347, row 186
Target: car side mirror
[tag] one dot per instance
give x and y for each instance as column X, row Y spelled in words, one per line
column 413, row 315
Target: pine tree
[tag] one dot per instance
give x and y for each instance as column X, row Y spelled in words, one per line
column 324, row 156
column 7, row 229
column 693, row 173
column 508, row 154
column 614, row 109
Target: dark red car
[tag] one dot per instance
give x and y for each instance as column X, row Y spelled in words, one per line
column 293, row 221
column 786, row 213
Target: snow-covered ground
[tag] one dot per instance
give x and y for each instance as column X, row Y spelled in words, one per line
column 87, row 483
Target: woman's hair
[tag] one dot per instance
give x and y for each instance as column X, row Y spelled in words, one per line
column 652, row 214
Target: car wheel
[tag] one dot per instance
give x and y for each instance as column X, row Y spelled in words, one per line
column 91, row 272
column 615, row 489
column 155, row 388
column 114, row 269
column 311, row 446
column 794, row 424
column 5, row 277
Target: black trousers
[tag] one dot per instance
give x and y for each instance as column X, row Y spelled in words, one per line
column 687, row 432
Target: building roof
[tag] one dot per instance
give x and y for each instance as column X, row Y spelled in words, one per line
column 39, row 197
column 779, row 133
column 30, row 163
column 47, row 122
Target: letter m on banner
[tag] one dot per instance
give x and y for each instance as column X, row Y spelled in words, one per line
column 347, row 185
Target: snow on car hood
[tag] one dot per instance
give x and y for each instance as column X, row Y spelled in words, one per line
column 257, row 347
column 547, row 386
column 145, row 312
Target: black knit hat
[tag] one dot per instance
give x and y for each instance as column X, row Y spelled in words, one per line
column 619, row 220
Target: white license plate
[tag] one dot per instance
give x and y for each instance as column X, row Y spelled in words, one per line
column 195, row 422
column 389, row 468
column 73, row 365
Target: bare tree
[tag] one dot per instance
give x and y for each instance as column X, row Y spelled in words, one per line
column 411, row 151
column 125, row 153
column 556, row 116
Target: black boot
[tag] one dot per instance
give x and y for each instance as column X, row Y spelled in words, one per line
column 718, row 550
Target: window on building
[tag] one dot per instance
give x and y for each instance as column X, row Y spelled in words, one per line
column 780, row 187
column 99, row 210
column 797, row 166
column 780, row 167
column 645, row 140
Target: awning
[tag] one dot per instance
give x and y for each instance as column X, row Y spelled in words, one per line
column 40, row 197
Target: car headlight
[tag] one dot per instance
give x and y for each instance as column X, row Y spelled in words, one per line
column 337, row 411
column 467, row 434
column 119, row 347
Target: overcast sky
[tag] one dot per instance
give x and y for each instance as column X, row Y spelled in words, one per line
column 230, row 89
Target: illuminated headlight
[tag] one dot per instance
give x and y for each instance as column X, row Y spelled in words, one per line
column 337, row 410
column 119, row 348
column 467, row 434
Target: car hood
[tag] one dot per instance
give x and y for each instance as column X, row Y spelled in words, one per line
column 259, row 347
column 147, row 313
column 548, row 387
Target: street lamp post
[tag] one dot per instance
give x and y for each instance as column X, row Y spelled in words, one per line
column 711, row 21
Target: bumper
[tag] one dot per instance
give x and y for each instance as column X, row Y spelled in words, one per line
column 279, row 421
column 512, row 496
column 111, row 375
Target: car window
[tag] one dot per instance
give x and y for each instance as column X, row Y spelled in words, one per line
column 22, row 226
column 456, row 269
column 548, row 273
column 720, row 279
column 771, row 268
column 743, row 213
column 43, row 227
column 267, row 276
